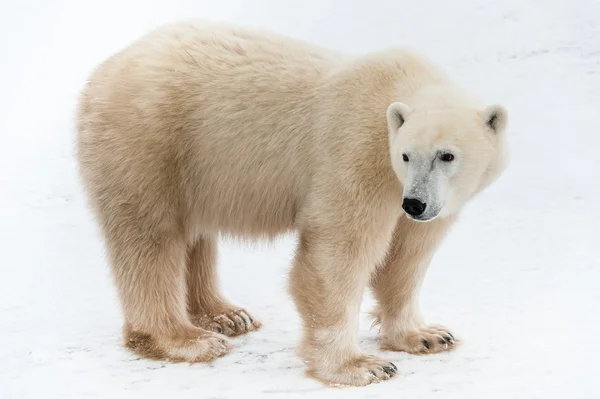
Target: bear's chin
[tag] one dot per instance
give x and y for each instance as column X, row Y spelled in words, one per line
column 422, row 219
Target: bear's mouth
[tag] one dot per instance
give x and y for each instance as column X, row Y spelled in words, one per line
column 422, row 218
column 425, row 217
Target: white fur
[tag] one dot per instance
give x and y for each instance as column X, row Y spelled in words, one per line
column 198, row 130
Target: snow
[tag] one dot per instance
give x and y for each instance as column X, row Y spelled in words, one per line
column 517, row 279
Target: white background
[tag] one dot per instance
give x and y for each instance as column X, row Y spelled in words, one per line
column 518, row 279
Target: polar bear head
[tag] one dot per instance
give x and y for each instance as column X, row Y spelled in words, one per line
column 445, row 154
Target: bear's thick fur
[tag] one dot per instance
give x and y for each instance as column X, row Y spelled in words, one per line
column 201, row 129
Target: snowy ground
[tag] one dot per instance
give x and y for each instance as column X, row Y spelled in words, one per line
column 518, row 279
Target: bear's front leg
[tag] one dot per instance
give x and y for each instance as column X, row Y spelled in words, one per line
column 332, row 267
column 396, row 286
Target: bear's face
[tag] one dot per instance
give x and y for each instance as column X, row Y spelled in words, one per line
column 444, row 157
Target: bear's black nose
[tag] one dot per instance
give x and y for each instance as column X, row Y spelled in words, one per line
column 413, row 206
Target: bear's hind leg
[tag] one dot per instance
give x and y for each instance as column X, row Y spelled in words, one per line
column 206, row 305
column 149, row 271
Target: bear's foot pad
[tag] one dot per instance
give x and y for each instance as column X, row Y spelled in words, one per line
column 363, row 370
column 427, row 340
column 231, row 323
column 199, row 346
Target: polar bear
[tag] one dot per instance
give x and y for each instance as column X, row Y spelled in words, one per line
column 201, row 129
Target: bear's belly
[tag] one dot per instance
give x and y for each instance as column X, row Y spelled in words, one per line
column 247, row 208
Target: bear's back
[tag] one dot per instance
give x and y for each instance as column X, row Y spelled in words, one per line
column 216, row 117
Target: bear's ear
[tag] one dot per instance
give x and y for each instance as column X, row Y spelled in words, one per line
column 496, row 118
column 396, row 116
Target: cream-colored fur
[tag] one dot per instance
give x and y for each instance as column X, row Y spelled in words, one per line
column 200, row 129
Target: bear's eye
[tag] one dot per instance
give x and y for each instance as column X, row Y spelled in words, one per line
column 447, row 157
column 405, row 157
